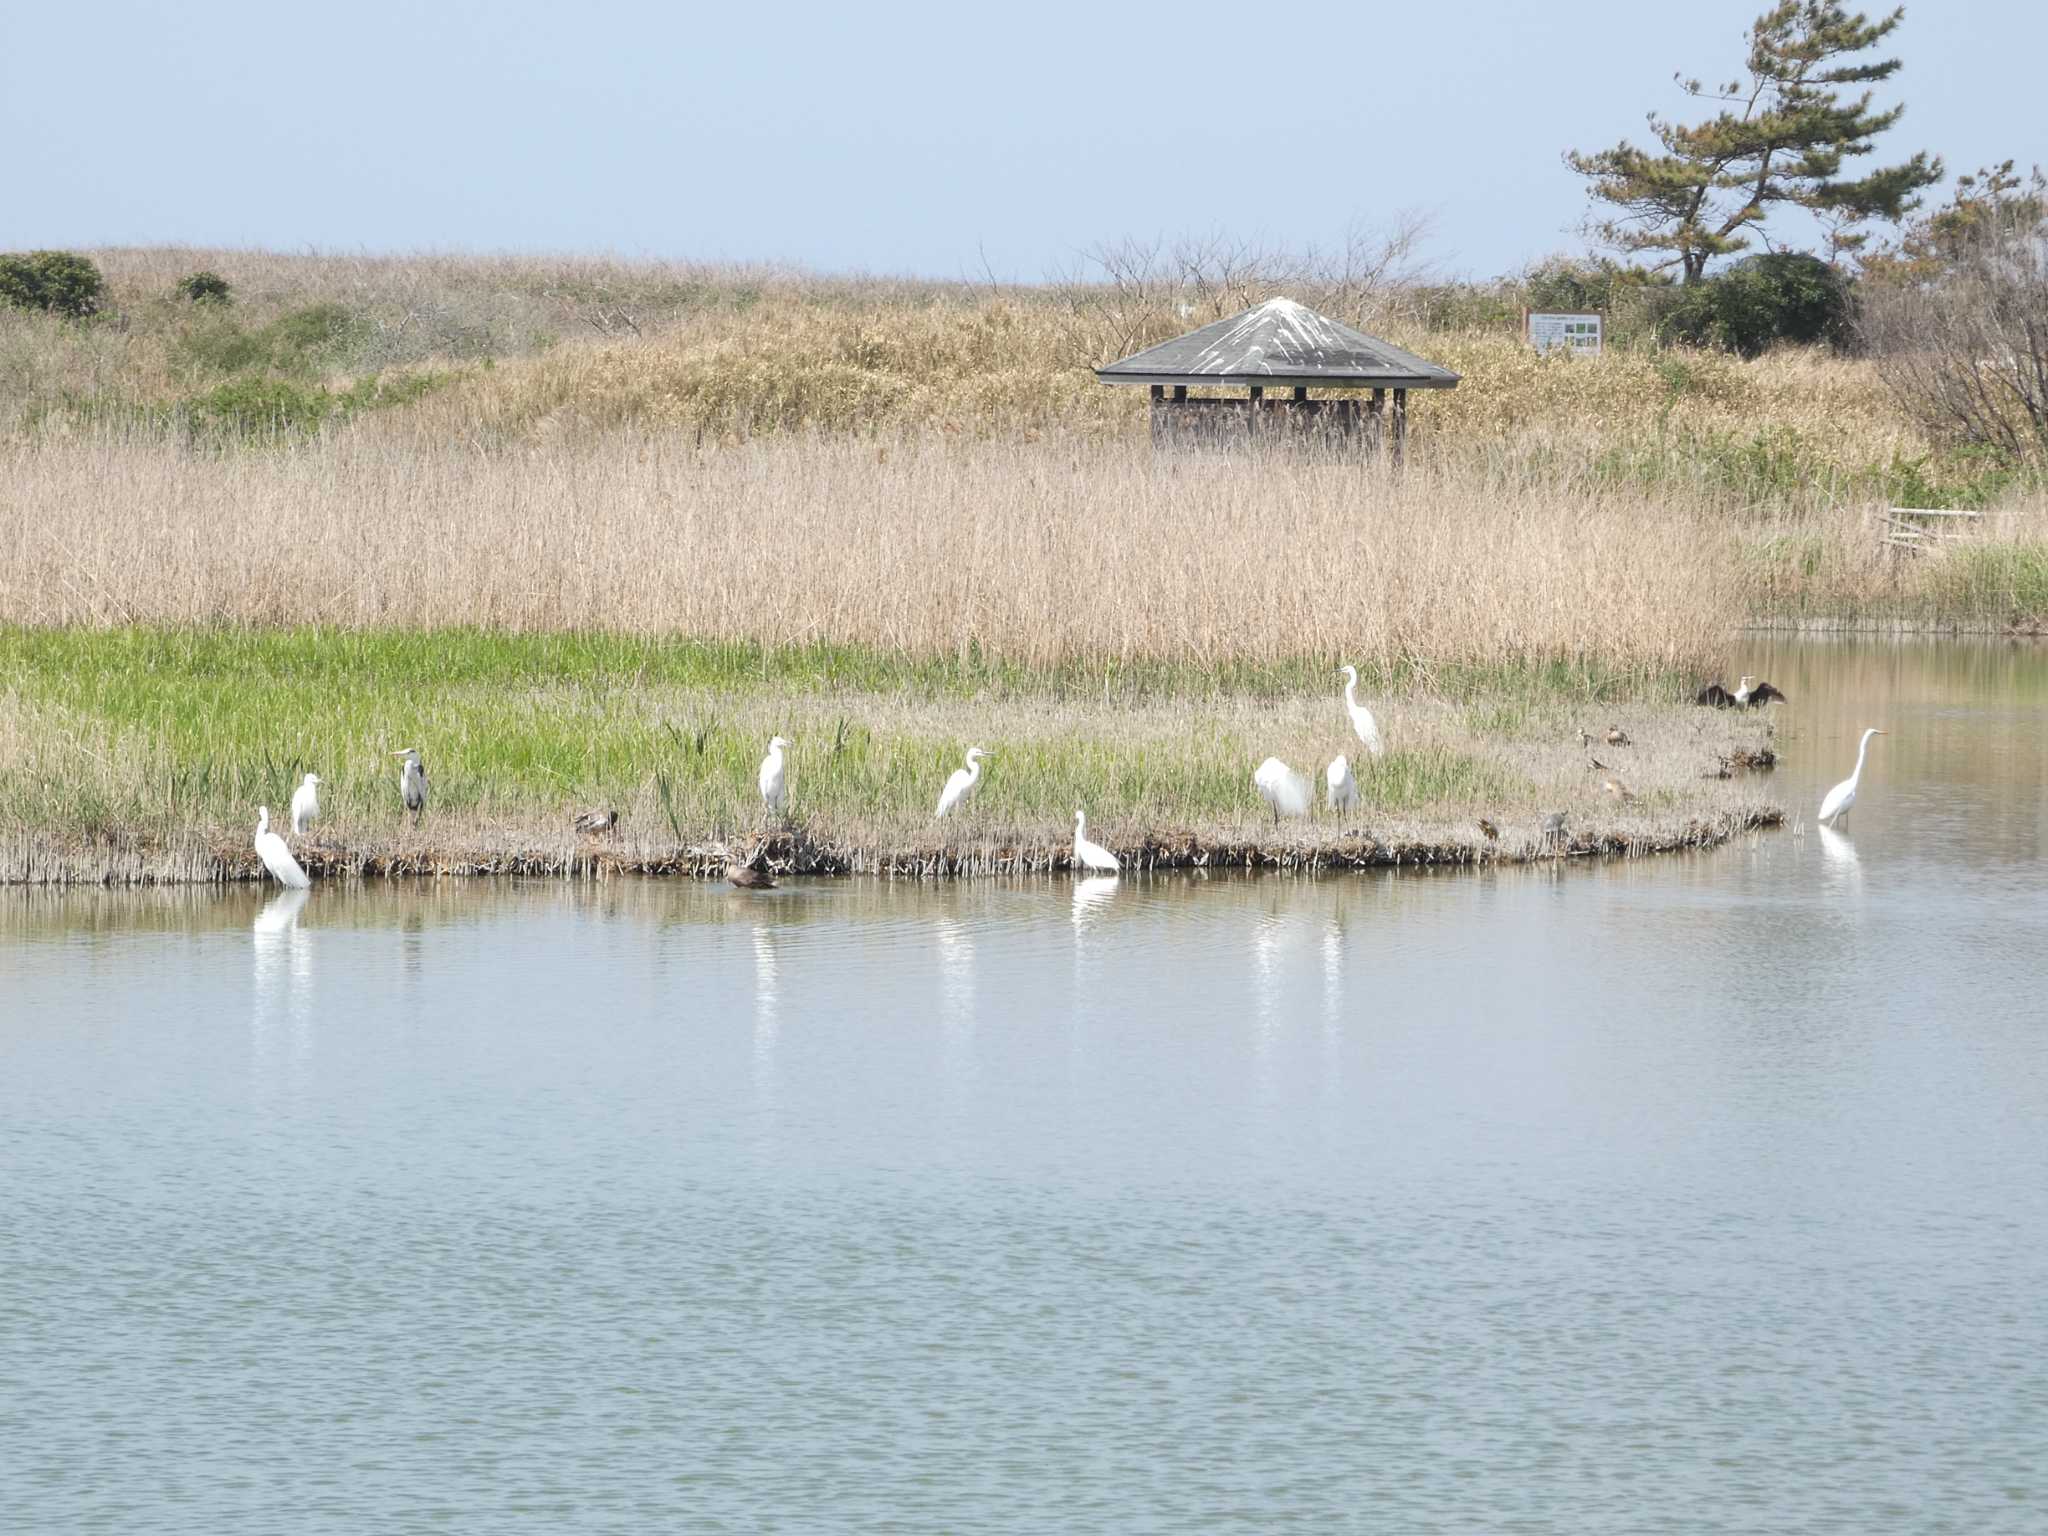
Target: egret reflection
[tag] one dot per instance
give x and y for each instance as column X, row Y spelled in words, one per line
column 1090, row 893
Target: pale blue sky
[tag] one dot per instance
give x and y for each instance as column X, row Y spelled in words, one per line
column 886, row 138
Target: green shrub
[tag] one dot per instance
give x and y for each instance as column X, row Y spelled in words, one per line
column 298, row 344
column 260, row 408
column 56, row 282
column 1760, row 301
column 205, row 288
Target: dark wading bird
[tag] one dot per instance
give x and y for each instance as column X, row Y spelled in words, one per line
column 1553, row 827
column 1749, row 694
column 1492, row 832
column 752, row 875
column 412, row 781
column 597, row 821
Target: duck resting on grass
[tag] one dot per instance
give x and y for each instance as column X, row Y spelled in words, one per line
column 592, row 822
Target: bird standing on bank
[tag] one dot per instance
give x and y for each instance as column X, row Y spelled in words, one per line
column 591, row 823
column 774, row 778
column 1283, row 789
column 1091, row 855
column 1340, row 784
column 276, row 857
column 1838, row 800
column 305, row 804
column 962, row 783
column 412, row 782
column 1362, row 722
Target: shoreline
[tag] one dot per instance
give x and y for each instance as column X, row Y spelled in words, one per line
column 801, row 855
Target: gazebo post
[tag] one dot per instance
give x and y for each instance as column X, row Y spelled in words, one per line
column 1375, row 420
column 1400, row 424
column 1252, row 416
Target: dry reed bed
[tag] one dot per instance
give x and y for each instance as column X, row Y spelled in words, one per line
column 1039, row 554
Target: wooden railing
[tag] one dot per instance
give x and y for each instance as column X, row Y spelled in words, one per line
column 1918, row 529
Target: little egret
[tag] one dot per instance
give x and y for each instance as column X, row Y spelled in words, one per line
column 1843, row 795
column 1091, row 855
column 1282, row 788
column 412, row 782
column 276, row 857
column 774, row 782
column 1340, row 786
column 305, row 804
column 1361, row 718
column 963, row 781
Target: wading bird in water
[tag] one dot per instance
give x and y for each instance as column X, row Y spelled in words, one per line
column 1341, row 786
column 1838, row 801
column 1091, row 855
column 774, row 781
column 1748, row 694
column 1362, row 722
column 412, row 782
column 752, row 875
column 963, row 782
column 276, row 857
column 1281, row 788
column 305, row 804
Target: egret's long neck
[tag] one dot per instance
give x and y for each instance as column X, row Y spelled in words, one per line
column 1861, row 752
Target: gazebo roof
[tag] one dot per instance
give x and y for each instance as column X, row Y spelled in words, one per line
column 1279, row 343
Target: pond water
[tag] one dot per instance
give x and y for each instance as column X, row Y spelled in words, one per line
column 1706, row 1193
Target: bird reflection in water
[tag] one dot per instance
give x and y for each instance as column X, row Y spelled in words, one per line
column 1091, row 892
column 767, row 1014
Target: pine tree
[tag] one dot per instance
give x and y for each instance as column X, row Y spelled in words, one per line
column 1782, row 137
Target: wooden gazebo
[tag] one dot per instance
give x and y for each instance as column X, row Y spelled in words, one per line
column 1278, row 352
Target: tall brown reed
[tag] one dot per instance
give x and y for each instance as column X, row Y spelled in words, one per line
column 1040, row 554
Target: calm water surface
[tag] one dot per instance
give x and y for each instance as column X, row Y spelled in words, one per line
column 1707, row 1194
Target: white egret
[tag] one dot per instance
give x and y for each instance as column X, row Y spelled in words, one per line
column 305, row 804
column 774, row 781
column 1843, row 795
column 276, row 857
column 1340, row 785
column 963, row 781
column 412, row 782
column 1361, row 718
column 1282, row 788
column 1091, row 855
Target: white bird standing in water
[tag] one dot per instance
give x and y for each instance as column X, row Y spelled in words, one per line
column 1091, row 855
column 1282, row 788
column 1341, row 784
column 1362, row 722
column 276, row 857
column 305, row 804
column 412, row 782
column 963, row 782
column 774, row 781
column 1843, row 795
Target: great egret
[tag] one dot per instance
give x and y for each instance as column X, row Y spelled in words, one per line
column 276, row 857
column 305, row 804
column 1748, row 694
column 774, row 782
column 1091, row 855
column 1340, row 785
column 1362, row 722
column 1282, row 788
column 1839, row 799
column 597, row 821
column 963, row 782
column 412, row 782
